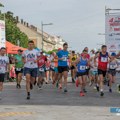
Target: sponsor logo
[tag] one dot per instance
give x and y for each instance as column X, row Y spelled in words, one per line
column 112, row 47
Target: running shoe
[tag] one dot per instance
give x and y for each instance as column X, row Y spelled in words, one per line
column 84, row 90
column 102, row 94
column 57, row 84
column 65, row 90
column 110, row 90
column 77, row 83
column 97, row 87
column 82, row 94
column 28, row 97
column 60, row 86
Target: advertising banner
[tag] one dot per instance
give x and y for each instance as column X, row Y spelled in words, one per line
column 112, row 32
column 2, row 34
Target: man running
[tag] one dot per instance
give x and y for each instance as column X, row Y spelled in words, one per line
column 18, row 68
column 41, row 70
column 63, row 66
column 30, row 58
column 4, row 67
column 81, row 63
column 102, row 66
column 73, row 58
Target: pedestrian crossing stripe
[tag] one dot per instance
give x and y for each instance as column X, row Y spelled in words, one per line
column 9, row 114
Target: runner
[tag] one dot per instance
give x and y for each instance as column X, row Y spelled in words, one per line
column 47, row 69
column 18, row 68
column 93, row 71
column 112, row 71
column 30, row 58
column 41, row 70
column 102, row 66
column 62, row 66
column 4, row 67
column 82, row 63
column 52, row 66
column 73, row 58
column 88, row 67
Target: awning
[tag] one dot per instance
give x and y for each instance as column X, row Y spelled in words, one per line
column 13, row 49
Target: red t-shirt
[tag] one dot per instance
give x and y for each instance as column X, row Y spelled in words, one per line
column 41, row 61
column 88, row 56
column 103, row 61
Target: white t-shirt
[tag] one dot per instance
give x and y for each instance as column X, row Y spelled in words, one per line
column 92, row 63
column 4, row 60
column 30, row 56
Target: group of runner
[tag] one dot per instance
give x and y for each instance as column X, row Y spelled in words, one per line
column 39, row 68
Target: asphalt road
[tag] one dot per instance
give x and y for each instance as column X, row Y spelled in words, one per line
column 52, row 104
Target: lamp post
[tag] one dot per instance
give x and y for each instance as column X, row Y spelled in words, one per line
column 42, row 25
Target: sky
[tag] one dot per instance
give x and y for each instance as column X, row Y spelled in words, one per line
column 77, row 21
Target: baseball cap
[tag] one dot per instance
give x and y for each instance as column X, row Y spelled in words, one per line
column 113, row 54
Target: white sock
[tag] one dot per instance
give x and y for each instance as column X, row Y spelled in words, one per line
column 101, row 90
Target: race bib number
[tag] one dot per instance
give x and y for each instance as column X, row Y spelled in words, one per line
column 47, row 68
column 18, row 69
column 65, row 59
column 2, row 70
column 41, row 69
column 112, row 66
column 104, row 59
column 82, row 67
column 52, row 67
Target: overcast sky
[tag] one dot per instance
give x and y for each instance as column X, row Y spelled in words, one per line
column 77, row 21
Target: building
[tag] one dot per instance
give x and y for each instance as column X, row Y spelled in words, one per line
column 35, row 34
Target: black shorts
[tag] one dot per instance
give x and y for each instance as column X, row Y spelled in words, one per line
column 2, row 77
column 72, row 67
column 87, row 71
column 81, row 74
column 17, row 71
column 62, row 69
column 101, row 72
column 112, row 72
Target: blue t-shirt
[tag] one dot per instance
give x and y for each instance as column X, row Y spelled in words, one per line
column 62, row 54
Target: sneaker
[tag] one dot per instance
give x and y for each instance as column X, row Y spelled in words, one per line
column 73, row 81
column 101, row 94
column 28, row 97
column 84, row 90
column 82, row 94
column 77, row 83
column 17, row 86
column 60, row 86
column 65, row 90
column 97, row 87
column 110, row 90
column 40, row 87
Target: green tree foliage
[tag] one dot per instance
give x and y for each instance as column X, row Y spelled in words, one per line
column 13, row 33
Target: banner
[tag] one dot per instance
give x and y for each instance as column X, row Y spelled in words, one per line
column 2, row 34
column 112, row 32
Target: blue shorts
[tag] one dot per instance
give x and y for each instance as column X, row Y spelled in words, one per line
column 56, row 69
column 94, row 73
column 32, row 71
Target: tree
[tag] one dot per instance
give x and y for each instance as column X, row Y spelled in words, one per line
column 13, row 33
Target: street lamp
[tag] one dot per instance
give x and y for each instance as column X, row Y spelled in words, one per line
column 42, row 30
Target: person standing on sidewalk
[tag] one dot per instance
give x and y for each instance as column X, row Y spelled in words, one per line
column 63, row 66
column 18, row 68
column 30, row 59
column 4, row 67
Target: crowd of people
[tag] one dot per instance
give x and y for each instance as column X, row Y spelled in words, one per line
column 97, row 68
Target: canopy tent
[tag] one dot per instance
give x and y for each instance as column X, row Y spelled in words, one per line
column 13, row 49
